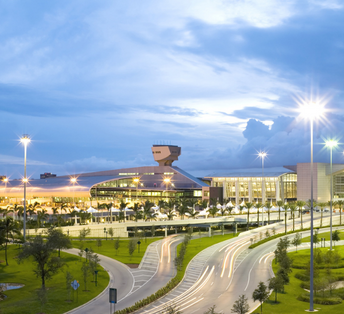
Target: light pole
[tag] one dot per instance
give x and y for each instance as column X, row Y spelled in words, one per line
column 312, row 111
column 262, row 155
column 331, row 144
column 25, row 140
column 5, row 180
column 73, row 181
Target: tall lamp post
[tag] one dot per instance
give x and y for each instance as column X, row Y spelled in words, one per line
column 311, row 111
column 262, row 155
column 25, row 140
column 5, row 180
column 73, row 181
column 331, row 144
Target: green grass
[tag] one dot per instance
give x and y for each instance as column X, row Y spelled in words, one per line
column 197, row 245
column 123, row 256
column 325, row 235
column 25, row 300
column 287, row 302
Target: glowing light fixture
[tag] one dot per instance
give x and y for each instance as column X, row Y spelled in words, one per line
column 312, row 110
column 331, row 143
column 25, row 180
column 25, row 140
column 5, row 180
column 167, row 180
column 73, row 180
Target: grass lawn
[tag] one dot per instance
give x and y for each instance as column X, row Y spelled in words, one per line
column 287, row 302
column 325, row 235
column 25, row 300
column 107, row 249
column 197, row 245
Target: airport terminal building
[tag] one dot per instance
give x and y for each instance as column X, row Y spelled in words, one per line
column 166, row 181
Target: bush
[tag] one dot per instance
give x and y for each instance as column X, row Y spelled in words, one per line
column 302, row 276
column 318, row 300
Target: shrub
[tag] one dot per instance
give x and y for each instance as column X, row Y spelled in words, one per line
column 318, row 300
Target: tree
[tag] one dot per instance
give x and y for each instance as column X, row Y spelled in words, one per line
column 248, row 205
column 172, row 309
column 261, row 294
column 122, row 206
column 316, row 239
column 335, row 236
column 279, row 204
column 213, row 210
column 132, row 246
column 322, row 207
column 258, row 206
column 147, row 208
column 99, row 243
column 182, row 207
column 268, row 206
column 86, row 272
column 69, row 279
column 42, row 254
column 285, row 208
column 137, row 211
column 211, row 310
column 110, row 231
column 83, row 233
column 117, row 244
column 340, row 206
column 296, row 241
column 170, row 209
column 276, row 284
column 300, row 205
column 42, row 216
column 58, row 239
column 293, row 208
column 241, row 306
column 8, row 229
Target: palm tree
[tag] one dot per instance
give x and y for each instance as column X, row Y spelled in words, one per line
column 258, row 206
column 213, row 210
column 9, row 228
column 63, row 207
column 241, row 208
column 203, row 204
column 230, row 209
column 193, row 214
column 223, row 210
column 32, row 208
column 41, row 216
column 268, row 206
column 340, row 205
column 248, row 205
column 285, row 207
column 322, row 207
column 170, row 209
column 16, row 209
column 300, row 205
column 55, row 213
column 192, row 203
column 182, row 207
column 279, row 204
column 147, row 207
column 137, row 211
column 122, row 207
column 293, row 208
column 161, row 203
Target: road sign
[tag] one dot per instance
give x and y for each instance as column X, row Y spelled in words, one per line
column 138, row 242
column 113, row 295
column 75, row 284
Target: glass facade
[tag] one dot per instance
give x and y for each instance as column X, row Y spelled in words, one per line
column 338, row 186
column 288, row 186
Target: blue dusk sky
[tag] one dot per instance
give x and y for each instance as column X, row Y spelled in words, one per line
column 96, row 83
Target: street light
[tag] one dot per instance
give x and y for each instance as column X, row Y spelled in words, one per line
column 167, row 181
column 331, row 144
column 262, row 155
column 5, row 180
column 73, row 181
column 25, row 140
column 311, row 111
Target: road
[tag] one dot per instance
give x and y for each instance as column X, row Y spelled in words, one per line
column 219, row 274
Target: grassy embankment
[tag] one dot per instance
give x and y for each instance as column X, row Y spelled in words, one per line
column 122, row 255
column 26, row 300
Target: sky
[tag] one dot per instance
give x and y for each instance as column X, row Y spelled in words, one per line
column 96, row 83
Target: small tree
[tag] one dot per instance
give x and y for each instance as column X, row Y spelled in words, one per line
column 86, row 271
column 316, row 239
column 267, row 234
column 335, row 236
column 69, row 279
column 241, row 306
column 172, row 309
column 8, row 229
column 211, row 310
column 58, row 239
column 296, row 241
column 261, row 294
column 110, row 231
column 117, row 244
column 99, row 243
column 83, row 233
column 81, row 251
column 277, row 285
column 42, row 253
column 132, row 246
column 274, row 231
column 42, row 297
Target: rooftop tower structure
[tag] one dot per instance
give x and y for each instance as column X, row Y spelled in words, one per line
column 165, row 155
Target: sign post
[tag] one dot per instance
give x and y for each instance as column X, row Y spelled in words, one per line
column 138, row 244
column 75, row 285
column 113, row 298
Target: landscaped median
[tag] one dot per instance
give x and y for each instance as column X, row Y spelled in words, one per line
column 193, row 247
column 328, row 284
column 58, row 297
